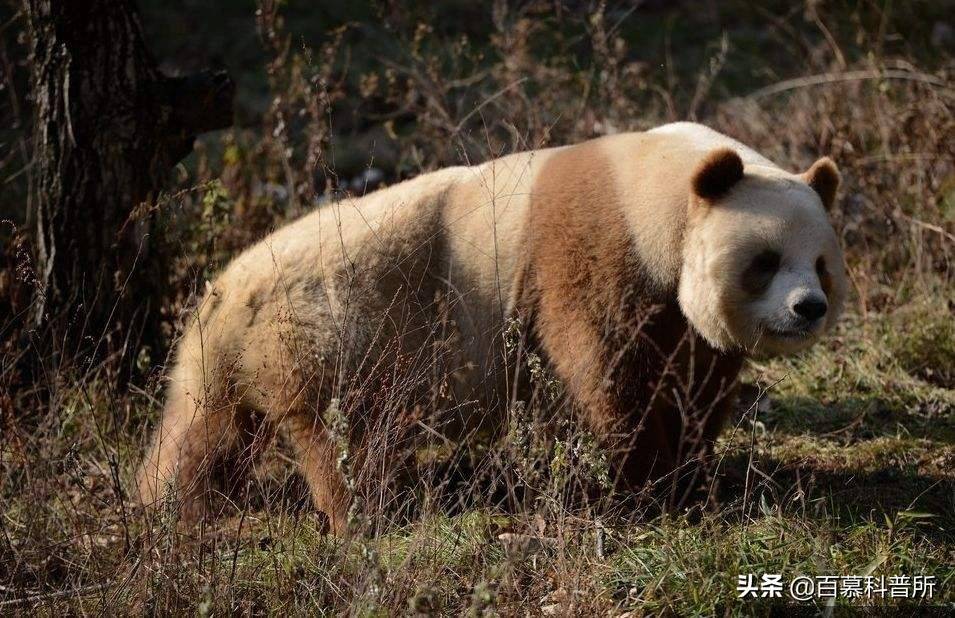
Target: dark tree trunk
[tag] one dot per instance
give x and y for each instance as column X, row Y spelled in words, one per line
column 108, row 127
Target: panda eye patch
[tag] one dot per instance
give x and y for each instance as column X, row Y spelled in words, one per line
column 821, row 266
column 760, row 271
column 767, row 261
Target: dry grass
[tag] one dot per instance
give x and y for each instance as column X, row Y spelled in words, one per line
column 849, row 470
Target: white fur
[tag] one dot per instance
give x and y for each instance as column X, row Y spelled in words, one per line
column 768, row 209
column 291, row 318
column 705, row 139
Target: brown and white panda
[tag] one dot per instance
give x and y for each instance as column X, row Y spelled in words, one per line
column 645, row 267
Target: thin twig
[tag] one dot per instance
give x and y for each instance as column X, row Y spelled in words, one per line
column 59, row 594
column 488, row 100
column 850, row 76
column 929, row 226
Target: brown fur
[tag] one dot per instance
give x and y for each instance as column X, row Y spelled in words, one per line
column 719, row 171
column 369, row 302
column 619, row 342
column 825, row 277
column 758, row 275
column 824, row 178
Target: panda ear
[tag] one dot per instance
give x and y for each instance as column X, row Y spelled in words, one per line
column 824, row 179
column 717, row 173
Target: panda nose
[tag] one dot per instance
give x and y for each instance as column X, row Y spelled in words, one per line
column 810, row 309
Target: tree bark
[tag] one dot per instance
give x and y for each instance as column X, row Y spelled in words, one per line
column 108, row 128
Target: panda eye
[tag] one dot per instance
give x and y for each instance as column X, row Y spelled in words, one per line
column 766, row 262
column 821, row 266
column 760, row 271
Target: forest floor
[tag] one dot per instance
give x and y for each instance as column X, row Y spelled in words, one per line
column 845, row 467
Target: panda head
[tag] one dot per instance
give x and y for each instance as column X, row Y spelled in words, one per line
column 762, row 268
